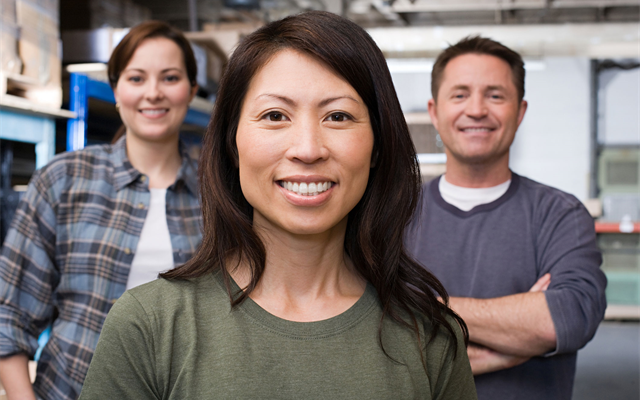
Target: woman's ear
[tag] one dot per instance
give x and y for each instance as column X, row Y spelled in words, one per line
column 374, row 158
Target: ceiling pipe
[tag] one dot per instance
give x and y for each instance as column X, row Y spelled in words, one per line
column 193, row 16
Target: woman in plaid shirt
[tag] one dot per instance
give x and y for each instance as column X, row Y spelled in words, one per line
column 98, row 221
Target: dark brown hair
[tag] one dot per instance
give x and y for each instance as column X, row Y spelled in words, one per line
column 375, row 228
column 123, row 52
column 478, row 45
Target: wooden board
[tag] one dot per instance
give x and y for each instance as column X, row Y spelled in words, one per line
column 21, row 86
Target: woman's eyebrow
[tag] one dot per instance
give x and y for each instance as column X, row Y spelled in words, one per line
column 332, row 99
column 284, row 99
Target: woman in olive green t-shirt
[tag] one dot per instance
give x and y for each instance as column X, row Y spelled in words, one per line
column 302, row 287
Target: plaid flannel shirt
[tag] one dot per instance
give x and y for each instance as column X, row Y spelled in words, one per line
column 67, row 256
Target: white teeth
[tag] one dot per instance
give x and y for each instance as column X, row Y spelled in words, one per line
column 304, row 189
column 154, row 112
column 476, row 129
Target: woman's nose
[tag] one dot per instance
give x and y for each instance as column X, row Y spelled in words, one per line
column 154, row 91
column 308, row 143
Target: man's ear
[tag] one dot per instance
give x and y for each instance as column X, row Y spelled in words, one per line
column 431, row 107
column 522, row 110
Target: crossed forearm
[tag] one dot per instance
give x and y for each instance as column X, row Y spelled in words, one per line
column 518, row 325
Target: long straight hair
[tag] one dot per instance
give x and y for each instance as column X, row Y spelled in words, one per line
column 375, row 227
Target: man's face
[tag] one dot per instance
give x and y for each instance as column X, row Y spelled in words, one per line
column 477, row 111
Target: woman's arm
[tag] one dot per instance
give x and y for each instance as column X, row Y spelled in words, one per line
column 455, row 379
column 14, row 375
column 123, row 365
column 27, row 278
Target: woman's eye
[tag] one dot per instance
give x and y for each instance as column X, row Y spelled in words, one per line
column 135, row 79
column 338, row 117
column 276, row 117
column 172, row 78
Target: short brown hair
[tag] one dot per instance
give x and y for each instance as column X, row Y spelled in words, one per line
column 479, row 45
column 123, row 52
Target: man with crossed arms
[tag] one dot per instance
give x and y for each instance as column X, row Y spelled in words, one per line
column 518, row 258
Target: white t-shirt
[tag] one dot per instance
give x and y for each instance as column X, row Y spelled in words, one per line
column 467, row 198
column 154, row 253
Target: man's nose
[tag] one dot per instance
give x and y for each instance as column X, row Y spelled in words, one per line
column 476, row 106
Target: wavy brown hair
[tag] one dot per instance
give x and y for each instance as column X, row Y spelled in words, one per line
column 375, row 228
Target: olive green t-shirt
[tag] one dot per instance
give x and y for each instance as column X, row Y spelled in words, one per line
column 182, row 340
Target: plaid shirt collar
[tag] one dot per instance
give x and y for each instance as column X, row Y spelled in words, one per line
column 124, row 173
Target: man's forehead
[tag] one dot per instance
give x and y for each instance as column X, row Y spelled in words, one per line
column 473, row 70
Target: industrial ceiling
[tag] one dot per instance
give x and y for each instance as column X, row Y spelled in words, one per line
column 398, row 13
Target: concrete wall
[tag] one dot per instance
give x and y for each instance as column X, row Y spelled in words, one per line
column 552, row 144
column 619, row 100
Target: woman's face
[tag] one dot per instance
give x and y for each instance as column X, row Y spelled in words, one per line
column 304, row 145
column 154, row 91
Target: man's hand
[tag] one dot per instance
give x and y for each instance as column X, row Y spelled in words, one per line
column 484, row 360
column 541, row 284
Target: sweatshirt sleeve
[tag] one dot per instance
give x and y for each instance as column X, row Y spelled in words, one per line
column 123, row 365
column 576, row 296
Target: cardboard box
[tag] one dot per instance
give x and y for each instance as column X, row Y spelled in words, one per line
column 36, row 17
column 49, row 8
column 40, row 55
column 9, row 59
column 8, row 11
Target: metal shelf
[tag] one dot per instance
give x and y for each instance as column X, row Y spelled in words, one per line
column 22, row 120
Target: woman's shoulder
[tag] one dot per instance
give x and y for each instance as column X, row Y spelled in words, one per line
column 73, row 165
column 164, row 299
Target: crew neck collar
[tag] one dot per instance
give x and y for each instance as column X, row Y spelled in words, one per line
column 305, row 330
column 434, row 188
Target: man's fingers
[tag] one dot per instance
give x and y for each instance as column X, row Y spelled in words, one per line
column 541, row 284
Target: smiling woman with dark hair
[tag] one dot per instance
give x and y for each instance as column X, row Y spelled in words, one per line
column 302, row 287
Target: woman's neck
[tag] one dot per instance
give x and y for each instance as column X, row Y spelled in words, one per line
column 306, row 277
column 159, row 161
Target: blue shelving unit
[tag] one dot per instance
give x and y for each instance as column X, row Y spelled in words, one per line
column 84, row 87
column 30, row 128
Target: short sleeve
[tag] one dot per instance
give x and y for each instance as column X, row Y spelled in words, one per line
column 455, row 379
column 123, row 365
